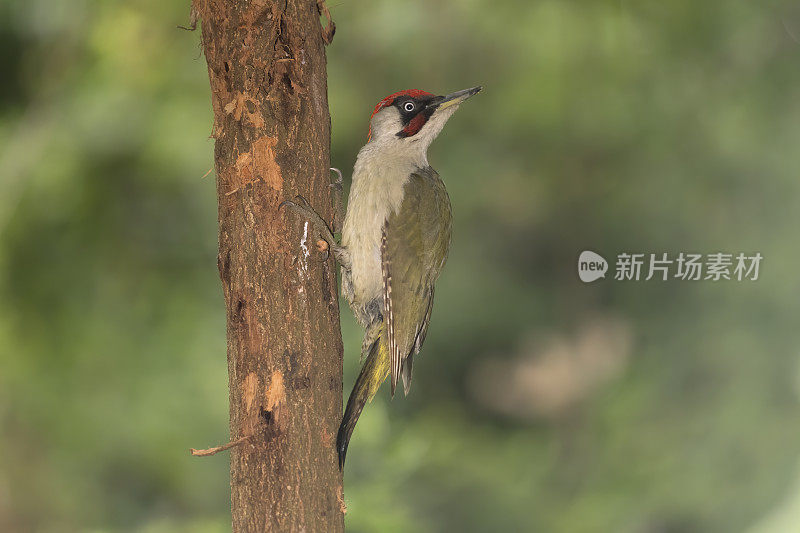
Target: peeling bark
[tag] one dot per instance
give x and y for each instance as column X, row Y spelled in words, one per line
column 266, row 65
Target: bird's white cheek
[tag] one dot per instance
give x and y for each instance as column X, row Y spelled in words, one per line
column 385, row 124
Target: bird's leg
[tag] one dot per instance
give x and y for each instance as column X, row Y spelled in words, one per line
column 338, row 202
column 321, row 229
column 370, row 336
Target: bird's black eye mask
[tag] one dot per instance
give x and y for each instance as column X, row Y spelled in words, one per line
column 414, row 113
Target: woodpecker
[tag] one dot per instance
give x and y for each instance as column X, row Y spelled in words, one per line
column 395, row 240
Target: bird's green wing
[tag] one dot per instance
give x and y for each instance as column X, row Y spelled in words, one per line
column 416, row 239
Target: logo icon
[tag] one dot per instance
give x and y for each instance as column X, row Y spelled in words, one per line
column 591, row 266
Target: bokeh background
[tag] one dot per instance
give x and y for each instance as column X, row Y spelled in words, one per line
column 540, row 403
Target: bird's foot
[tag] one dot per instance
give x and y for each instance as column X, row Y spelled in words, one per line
column 338, row 201
column 323, row 237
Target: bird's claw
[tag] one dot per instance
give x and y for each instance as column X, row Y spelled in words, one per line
column 300, row 203
column 320, row 228
column 338, row 206
column 339, row 178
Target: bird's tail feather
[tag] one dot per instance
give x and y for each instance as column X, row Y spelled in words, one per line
column 373, row 373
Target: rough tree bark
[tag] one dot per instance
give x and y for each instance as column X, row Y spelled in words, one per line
column 267, row 69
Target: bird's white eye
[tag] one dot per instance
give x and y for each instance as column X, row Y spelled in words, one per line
column 409, row 106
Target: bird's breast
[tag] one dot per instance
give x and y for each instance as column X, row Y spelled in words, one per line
column 376, row 192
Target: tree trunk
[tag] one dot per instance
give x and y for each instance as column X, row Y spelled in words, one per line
column 266, row 64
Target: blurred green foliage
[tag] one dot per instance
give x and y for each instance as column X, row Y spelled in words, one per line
column 607, row 125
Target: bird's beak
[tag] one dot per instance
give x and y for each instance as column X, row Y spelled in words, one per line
column 443, row 102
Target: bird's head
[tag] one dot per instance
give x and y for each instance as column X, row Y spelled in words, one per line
column 410, row 120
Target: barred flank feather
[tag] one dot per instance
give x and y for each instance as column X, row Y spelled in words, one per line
column 394, row 351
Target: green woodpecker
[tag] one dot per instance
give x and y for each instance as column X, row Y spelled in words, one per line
column 395, row 240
